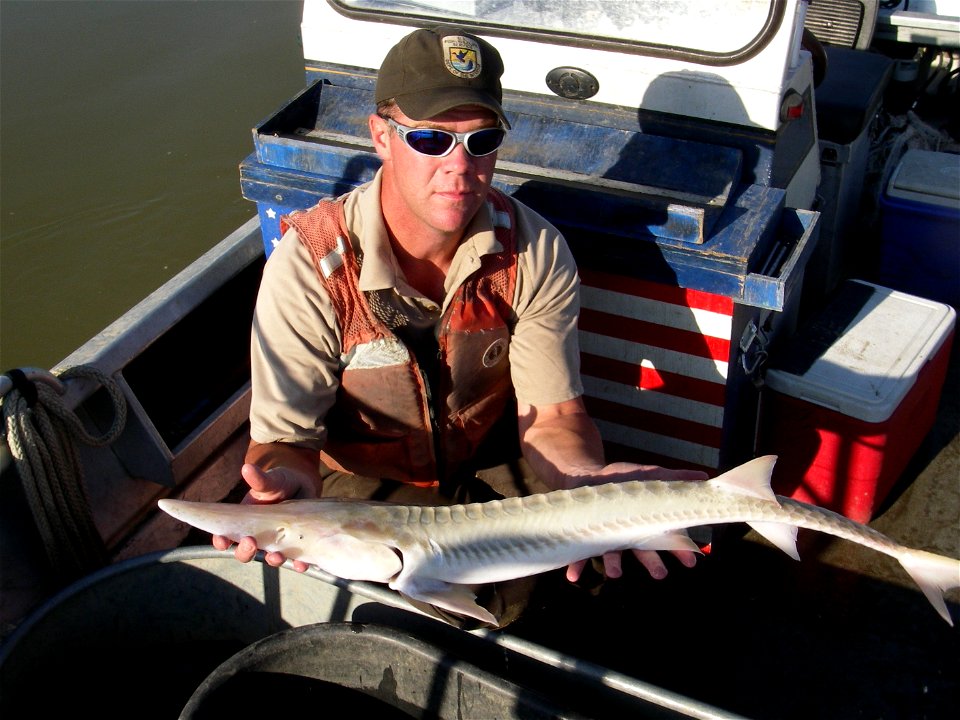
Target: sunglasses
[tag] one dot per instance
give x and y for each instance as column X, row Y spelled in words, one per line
column 440, row 143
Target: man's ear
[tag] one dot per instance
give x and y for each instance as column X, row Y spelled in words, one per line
column 379, row 129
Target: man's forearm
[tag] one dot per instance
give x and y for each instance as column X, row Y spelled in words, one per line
column 561, row 443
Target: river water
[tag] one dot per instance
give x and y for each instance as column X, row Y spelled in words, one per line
column 122, row 125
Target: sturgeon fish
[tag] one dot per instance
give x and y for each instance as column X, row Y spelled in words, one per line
column 434, row 554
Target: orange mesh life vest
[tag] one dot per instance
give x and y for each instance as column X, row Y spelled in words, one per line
column 387, row 421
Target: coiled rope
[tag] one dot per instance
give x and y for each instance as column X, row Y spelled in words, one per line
column 40, row 432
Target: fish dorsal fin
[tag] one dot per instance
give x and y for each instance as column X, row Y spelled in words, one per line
column 752, row 478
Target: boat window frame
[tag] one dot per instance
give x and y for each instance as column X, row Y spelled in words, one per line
column 772, row 23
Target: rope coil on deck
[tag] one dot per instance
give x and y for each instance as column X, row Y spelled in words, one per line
column 41, row 433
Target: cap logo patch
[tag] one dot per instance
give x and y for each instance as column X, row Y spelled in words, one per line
column 461, row 55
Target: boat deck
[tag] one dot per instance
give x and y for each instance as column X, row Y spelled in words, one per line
column 749, row 632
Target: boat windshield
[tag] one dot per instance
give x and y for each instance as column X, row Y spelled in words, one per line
column 688, row 26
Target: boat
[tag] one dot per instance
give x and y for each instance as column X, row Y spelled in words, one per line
column 712, row 169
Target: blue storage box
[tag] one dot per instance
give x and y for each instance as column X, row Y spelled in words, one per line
column 920, row 241
column 318, row 145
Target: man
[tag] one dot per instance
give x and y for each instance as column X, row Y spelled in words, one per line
column 398, row 326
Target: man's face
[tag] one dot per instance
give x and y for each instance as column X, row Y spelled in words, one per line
column 441, row 194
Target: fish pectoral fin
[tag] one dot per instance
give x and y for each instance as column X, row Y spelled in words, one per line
column 354, row 559
column 459, row 599
column 781, row 535
column 672, row 542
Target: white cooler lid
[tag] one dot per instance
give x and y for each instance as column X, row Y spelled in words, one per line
column 863, row 354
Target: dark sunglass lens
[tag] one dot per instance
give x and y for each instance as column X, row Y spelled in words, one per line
column 430, row 142
column 485, row 142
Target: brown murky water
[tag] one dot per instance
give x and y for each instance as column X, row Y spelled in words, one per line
column 123, row 124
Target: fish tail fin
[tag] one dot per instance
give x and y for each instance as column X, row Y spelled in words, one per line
column 935, row 574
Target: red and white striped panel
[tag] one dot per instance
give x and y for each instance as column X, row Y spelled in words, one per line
column 654, row 362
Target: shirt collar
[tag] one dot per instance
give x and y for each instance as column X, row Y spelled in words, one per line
column 380, row 269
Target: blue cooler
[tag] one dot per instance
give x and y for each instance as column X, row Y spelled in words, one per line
column 920, row 241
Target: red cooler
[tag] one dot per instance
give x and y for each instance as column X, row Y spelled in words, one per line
column 853, row 397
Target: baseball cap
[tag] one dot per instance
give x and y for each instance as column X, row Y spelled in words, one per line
column 433, row 70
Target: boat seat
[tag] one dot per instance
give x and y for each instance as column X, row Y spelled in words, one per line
column 851, row 92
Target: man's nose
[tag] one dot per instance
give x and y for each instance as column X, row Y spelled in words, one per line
column 459, row 157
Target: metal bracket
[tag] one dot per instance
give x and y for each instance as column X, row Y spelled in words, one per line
column 753, row 350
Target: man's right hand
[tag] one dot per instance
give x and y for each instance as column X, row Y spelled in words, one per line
column 267, row 487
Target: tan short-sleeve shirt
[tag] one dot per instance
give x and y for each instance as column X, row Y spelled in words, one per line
column 295, row 344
